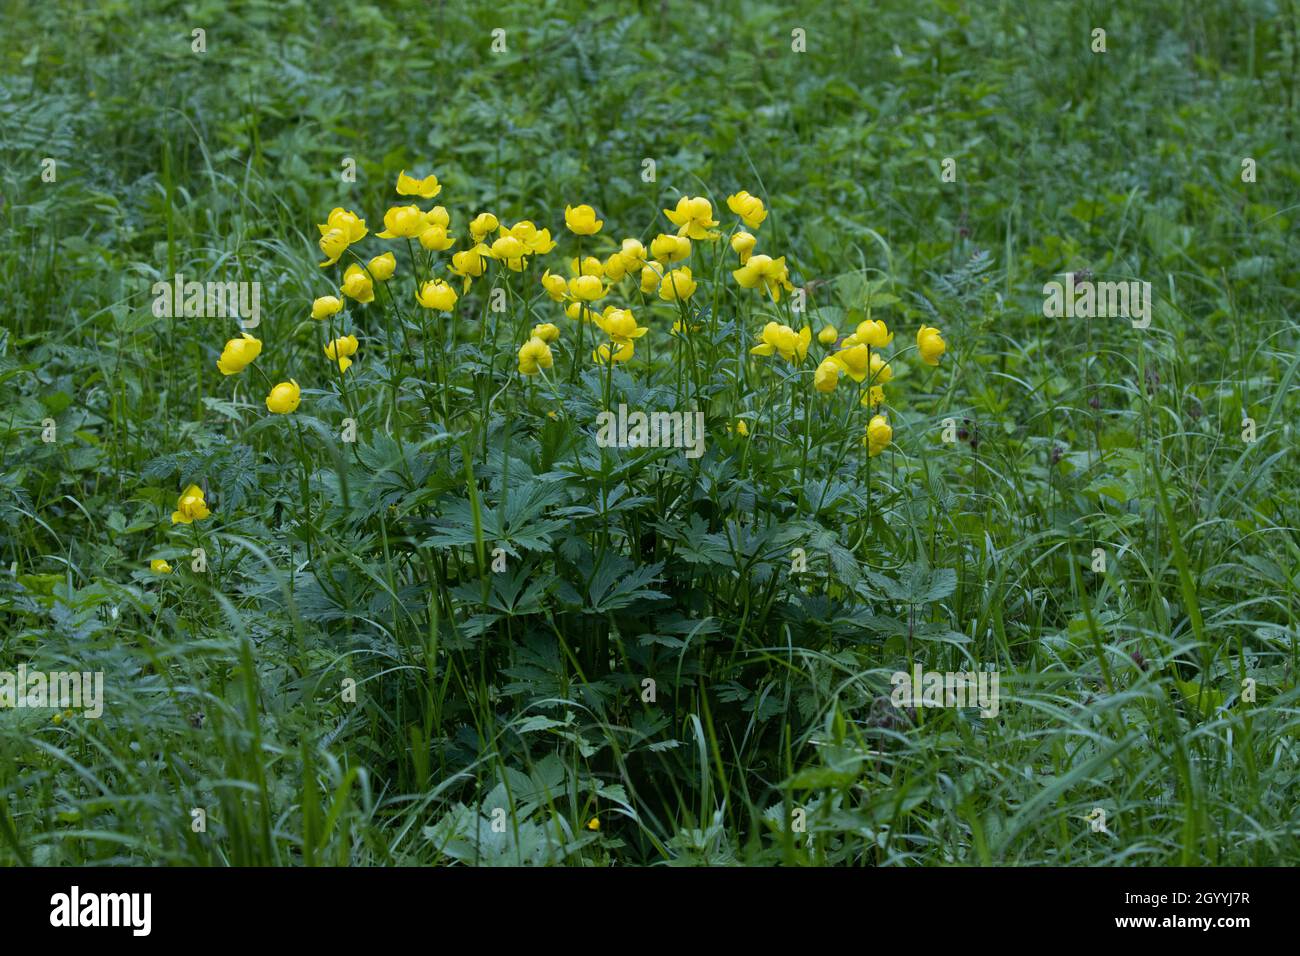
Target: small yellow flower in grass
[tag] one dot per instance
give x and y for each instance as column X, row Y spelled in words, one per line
column 828, row 335
column 326, row 306
column 680, row 329
column 382, row 267
column 511, row 251
column 610, row 352
column 284, row 398
column 620, row 325
column 438, row 216
column 785, row 341
column 537, row 241
column 693, row 217
column 437, row 294
column 590, row 266
column 556, row 287
column 880, row 371
column 873, row 397
column 765, row 273
column 742, row 427
column 238, row 354
column 878, row 436
column 159, row 566
column 930, row 344
column 748, row 208
column 534, row 355
column 633, row 254
column 827, row 375
column 582, row 220
column 470, row 263
column 743, row 244
column 340, row 229
column 669, row 248
column 482, row 224
column 872, row 332
column 340, row 351
column 435, row 238
column 677, row 286
column 650, row 279
column 425, row 188
column 593, row 823
column 357, row 284
column 586, row 288
column 191, row 506
column 403, row 222
column 547, row 332
column 855, row 361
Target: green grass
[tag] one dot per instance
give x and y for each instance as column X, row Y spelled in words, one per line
column 517, row 696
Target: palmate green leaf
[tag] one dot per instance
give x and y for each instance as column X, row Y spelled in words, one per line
column 917, row 584
column 618, row 584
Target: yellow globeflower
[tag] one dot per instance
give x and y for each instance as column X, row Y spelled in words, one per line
column 357, row 284
column 191, row 506
column 828, row 335
column 693, row 217
column 827, row 375
column 538, row 242
column 555, row 286
column 547, row 332
column 785, row 341
column 590, row 266
column 855, row 361
column 878, row 436
column 403, row 222
column 873, row 397
column 633, row 254
column 765, row 273
column 666, row 247
column 511, row 251
column 159, row 566
column 483, row 224
column 470, row 263
column 880, row 370
column 326, row 306
column 677, row 286
column 382, row 267
column 586, row 288
column 748, row 208
column 284, row 398
column 930, row 344
column 620, row 325
column 872, row 332
column 534, row 355
column 438, row 216
column 650, row 279
column 743, row 244
column 340, row 229
column 340, row 351
column 425, row 188
column 612, row 352
column 437, row 294
column 582, row 220
column 238, row 354
column 435, row 238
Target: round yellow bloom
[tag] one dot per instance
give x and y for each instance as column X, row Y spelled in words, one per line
column 930, row 344
column 878, row 436
column 382, row 267
column 586, row 288
column 403, row 222
column 536, row 241
column 470, row 263
column 677, row 286
column 340, row 351
column 511, row 251
column 766, row 273
column 546, row 332
column 438, row 216
column 612, row 352
column 238, row 354
column 620, row 325
column 425, row 188
column 669, row 248
column 191, row 506
column 284, row 398
column 873, row 397
column 872, row 332
column 357, row 284
column 828, row 335
column 742, row 427
column 435, row 238
column 555, row 286
column 534, row 355
column 827, row 375
column 743, row 243
column 333, row 243
column 650, row 279
column 159, row 566
column 614, row 268
column 693, row 217
column 590, row 266
column 326, row 306
column 880, row 370
column 482, row 224
column 781, row 339
column 593, row 823
column 582, row 220
column 633, row 254
column 855, row 361
column 437, row 294
column 340, row 229
column 748, row 208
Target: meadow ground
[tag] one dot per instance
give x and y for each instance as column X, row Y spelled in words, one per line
column 420, row 605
